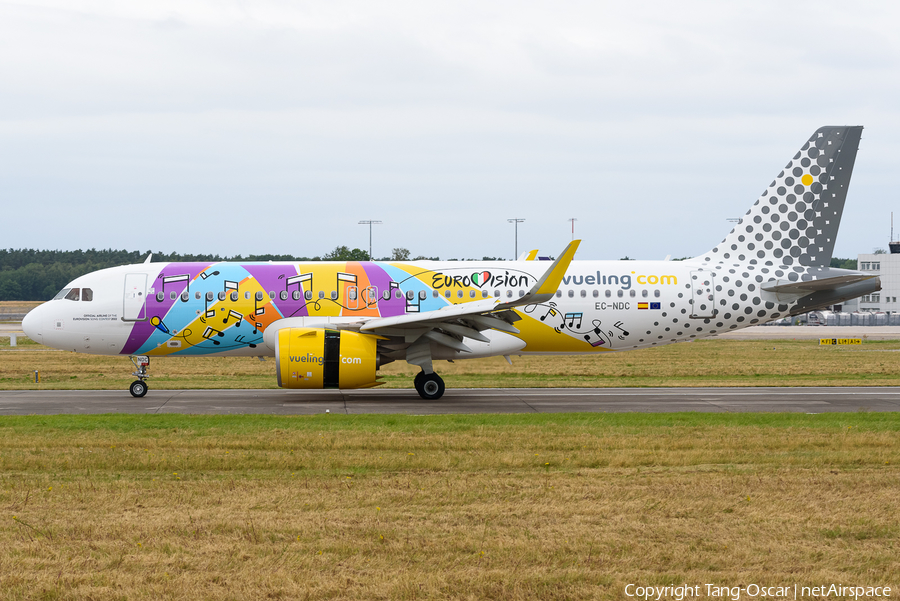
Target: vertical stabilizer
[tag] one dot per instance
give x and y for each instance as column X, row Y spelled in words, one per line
column 795, row 221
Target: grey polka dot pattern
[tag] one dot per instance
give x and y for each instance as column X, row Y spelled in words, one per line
column 787, row 236
column 795, row 221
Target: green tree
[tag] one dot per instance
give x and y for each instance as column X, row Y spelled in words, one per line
column 843, row 263
column 343, row 253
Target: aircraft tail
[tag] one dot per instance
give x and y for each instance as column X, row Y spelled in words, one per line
column 795, row 221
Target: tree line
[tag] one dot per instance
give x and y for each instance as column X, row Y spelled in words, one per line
column 31, row 274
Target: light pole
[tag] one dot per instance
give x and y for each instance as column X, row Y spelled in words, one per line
column 370, row 222
column 517, row 222
column 573, row 220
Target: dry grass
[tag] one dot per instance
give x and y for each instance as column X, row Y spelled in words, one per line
column 712, row 362
column 17, row 306
column 463, row 507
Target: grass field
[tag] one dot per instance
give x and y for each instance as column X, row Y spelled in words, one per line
column 713, row 362
column 452, row 507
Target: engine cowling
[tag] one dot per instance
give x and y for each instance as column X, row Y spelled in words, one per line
column 323, row 358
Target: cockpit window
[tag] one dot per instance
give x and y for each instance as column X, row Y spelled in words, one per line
column 61, row 294
column 87, row 294
column 73, row 294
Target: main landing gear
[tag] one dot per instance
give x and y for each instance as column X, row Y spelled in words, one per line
column 429, row 386
column 139, row 387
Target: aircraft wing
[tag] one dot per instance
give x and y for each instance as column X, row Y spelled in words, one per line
column 469, row 319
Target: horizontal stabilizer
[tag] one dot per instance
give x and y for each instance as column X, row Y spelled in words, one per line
column 788, row 287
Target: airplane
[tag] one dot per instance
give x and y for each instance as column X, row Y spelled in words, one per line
column 334, row 324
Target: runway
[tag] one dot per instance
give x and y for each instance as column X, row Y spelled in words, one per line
column 471, row 401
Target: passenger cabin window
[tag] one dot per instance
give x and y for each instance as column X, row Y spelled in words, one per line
column 644, row 293
column 608, row 293
column 197, row 295
column 210, row 296
column 233, row 296
column 484, row 294
column 422, row 295
column 185, row 296
column 283, row 295
column 656, row 293
column 583, row 293
column 87, row 294
column 620, row 293
column 247, row 295
column 571, row 294
column 295, row 295
column 632, row 293
column 471, row 294
column 459, row 294
column 386, row 295
column 448, row 294
column 435, row 294
column 410, row 294
column 259, row 296
column 161, row 296
column 308, row 295
column 497, row 293
column 272, row 294
column 222, row 295
column 596, row 293
column 334, row 295
column 321, row 294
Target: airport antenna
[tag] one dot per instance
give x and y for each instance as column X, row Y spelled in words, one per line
column 370, row 223
column 573, row 220
column 517, row 222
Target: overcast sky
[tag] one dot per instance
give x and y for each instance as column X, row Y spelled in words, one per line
column 274, row 127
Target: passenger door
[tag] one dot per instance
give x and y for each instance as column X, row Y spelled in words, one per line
column 135, row 308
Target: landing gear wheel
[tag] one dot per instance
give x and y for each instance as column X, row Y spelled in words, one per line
column 430, row 386
column 418, row 381
column 138, row 389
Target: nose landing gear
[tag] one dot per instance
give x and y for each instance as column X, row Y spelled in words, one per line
column 139, row 387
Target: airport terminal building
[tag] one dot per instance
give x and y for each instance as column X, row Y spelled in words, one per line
column 887, row 266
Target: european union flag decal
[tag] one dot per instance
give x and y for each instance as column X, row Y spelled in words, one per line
column 655, row 306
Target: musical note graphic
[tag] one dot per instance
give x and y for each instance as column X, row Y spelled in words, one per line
column 298, row 279
column 257, row 310
column 551, row 310
column 596, row 337
column 242, row 340
column 232, row 314
column 159, row 325
column 210, row 332
column 229, row 285
column 171, row 279
column 618, row 325
column 571, row 317
column 205, row 275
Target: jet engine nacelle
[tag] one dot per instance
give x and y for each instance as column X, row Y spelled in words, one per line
column 322, row 358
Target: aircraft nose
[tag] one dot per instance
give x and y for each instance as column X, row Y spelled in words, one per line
column 32, row 324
